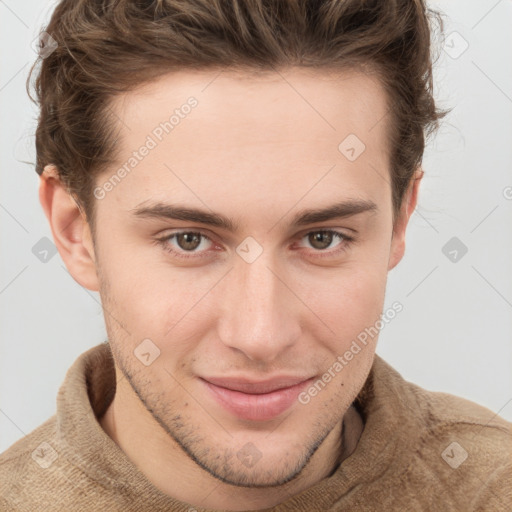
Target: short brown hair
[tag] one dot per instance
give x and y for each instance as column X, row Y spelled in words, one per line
column 106, row 47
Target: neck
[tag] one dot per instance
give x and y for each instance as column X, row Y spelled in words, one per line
column 172, row 471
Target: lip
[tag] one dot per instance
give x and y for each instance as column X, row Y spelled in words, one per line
column 256, row 400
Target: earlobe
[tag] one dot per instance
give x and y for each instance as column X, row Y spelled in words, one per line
column 399, row 229
column 71, row 232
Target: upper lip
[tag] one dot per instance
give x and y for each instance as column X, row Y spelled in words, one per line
column 256, row 386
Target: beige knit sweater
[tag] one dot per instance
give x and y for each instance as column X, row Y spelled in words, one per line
column 419, row 450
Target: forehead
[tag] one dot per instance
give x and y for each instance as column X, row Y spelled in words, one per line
column 262, row 103
column 255, row 134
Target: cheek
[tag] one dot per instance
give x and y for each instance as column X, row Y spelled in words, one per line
column 155, row 300
column 348, row 301
column 350, row 306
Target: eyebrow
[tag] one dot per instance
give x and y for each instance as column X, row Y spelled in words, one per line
column 159, row 210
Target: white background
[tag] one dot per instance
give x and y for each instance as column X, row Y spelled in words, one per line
column 455, row 331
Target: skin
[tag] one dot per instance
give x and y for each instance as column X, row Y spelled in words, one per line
column 258, row 151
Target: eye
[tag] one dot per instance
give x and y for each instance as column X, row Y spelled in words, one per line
column 322, row 239
column 195, row 244
column 185, row 242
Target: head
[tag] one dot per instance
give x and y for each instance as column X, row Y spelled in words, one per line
column 259, row 114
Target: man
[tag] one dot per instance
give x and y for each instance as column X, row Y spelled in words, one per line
column 236, row 180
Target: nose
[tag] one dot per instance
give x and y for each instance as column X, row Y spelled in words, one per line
column 259, row 315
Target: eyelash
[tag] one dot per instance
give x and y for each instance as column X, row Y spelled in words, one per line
column 346, row 243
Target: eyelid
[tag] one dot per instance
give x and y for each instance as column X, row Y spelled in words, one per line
column 167, row 233
column 335, row 229
column 322, row 227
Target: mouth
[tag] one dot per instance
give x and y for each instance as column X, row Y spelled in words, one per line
column 256, row 401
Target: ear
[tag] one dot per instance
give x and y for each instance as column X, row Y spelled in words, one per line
column 408, row 206
column 70, row 229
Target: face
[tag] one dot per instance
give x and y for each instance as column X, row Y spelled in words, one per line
column 219, row 282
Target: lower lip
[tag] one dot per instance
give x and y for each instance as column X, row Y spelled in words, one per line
column 261, row 407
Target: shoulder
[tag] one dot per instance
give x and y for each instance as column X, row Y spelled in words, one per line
column 34, row 472
column 449, row 416
column 439, row 414
column 24, row 462
column 463, row 449
column 448, row 453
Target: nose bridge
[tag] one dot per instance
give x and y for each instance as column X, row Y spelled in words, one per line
column 257, row 318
